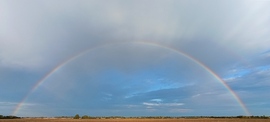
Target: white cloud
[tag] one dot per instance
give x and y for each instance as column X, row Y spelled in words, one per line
column 163, row 104
column 156, row 100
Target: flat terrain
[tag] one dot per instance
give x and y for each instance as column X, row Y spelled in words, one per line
column 135, row 120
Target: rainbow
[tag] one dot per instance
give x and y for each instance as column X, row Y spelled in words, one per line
column 211, row 72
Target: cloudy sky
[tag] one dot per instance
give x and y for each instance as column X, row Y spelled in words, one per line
column 134, row 58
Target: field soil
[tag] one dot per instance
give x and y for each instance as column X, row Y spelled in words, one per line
column 135, row 120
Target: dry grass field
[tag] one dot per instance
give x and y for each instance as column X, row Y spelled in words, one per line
column 135, row 120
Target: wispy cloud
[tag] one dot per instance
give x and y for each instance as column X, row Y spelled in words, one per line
column 163, row 104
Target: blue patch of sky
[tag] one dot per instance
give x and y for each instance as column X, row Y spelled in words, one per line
column 143, row 81
column 263, row 68
column 243, row 72
column 239, row 73
column 152, row 77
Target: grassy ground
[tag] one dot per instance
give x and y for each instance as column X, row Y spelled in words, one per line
column 134, row 120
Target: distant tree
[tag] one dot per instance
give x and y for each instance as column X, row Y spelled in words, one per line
column 85, row 117
column 77, row 116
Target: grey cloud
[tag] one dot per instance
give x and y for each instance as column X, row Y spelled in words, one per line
column 56, row 30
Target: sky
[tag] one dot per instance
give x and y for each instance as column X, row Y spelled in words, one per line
column 135, row 57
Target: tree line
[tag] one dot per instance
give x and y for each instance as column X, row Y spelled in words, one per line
column 8, row 117
column 77, row 116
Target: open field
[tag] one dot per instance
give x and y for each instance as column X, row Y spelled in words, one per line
column 135, row 120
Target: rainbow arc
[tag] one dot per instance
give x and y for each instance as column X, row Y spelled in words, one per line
column 72, row 58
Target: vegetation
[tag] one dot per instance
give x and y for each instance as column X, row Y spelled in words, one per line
column 170, row 117
column 257, row 117
column 77, row 116
column 86, row 117
column 8, row 117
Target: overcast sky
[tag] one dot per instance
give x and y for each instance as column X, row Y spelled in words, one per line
column 119, row 57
